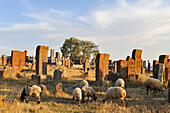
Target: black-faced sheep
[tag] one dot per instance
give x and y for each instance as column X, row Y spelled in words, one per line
column 120, row 83
column 115, row 93
column 77, row 95
column 88, row 92
column 32, row 90
column 83, row 83
column 153, row 84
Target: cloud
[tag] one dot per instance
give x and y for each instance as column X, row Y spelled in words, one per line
column 26, row 4
column 62, row 13
column 141, row 23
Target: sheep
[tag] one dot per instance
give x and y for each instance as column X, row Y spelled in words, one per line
column 115, row 93
column 77, row 95
column 32, row 90
column 120, row 83
column 153, row 84
column 83, row 83
column 89, row 92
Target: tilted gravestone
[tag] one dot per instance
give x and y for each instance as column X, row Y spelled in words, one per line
column 41, row 59
column 102, row 61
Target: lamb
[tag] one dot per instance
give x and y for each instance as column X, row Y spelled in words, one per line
column 89, row 92
column 120, row 83
column 77, row 95
column 32, row 90
column 83, row 83
column 115, row 93
column 153, row 84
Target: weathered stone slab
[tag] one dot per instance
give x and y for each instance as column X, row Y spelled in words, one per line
column 144, row 64
column 115, row 66
column 41, row 59
column 102, row 61
column 137, row 56
column 155, row 68
column 57, row 74
column 85, row 65
column 163, row 58
column 52, row 59
column 67, row 63
column 18, row 58
column 130, row 68
column 149, row 67
column 4, row 60
column 122, row 68
column 167, row 71
column 58, row 56
column 160, row 72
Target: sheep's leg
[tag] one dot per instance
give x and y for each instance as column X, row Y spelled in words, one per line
column 122, row 102
column 26, row 99
column 79, row 101
column 147, row 89
column 88, row 98
column 39, row 99
column 83, row 98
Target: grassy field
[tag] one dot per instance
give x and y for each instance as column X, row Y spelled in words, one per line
column 136, row 100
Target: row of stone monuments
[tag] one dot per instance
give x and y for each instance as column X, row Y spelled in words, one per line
column 131, row 67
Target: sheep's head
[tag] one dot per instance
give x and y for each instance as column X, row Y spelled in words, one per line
column 23, row 94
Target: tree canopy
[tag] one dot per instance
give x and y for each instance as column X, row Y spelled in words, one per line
column 74, row 49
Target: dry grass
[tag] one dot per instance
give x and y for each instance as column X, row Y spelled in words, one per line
column 136, row 100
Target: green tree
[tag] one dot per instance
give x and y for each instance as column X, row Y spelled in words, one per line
column 78, row 49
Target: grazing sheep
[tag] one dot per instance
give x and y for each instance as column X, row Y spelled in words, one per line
column 120, row 83
column 44, row 90
column 89, row 92
column 77, row 95
column 83, row 83
column 153, row 84
column 32, row 90
column 115, row 93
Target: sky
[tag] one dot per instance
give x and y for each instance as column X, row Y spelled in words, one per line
column 117, row 26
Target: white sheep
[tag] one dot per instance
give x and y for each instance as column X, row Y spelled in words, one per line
column 77, row 95
column 153, row 84
column 120, row 83
column 32, row 90
column 115, row 93
column 83, row 83
column 88, row 92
